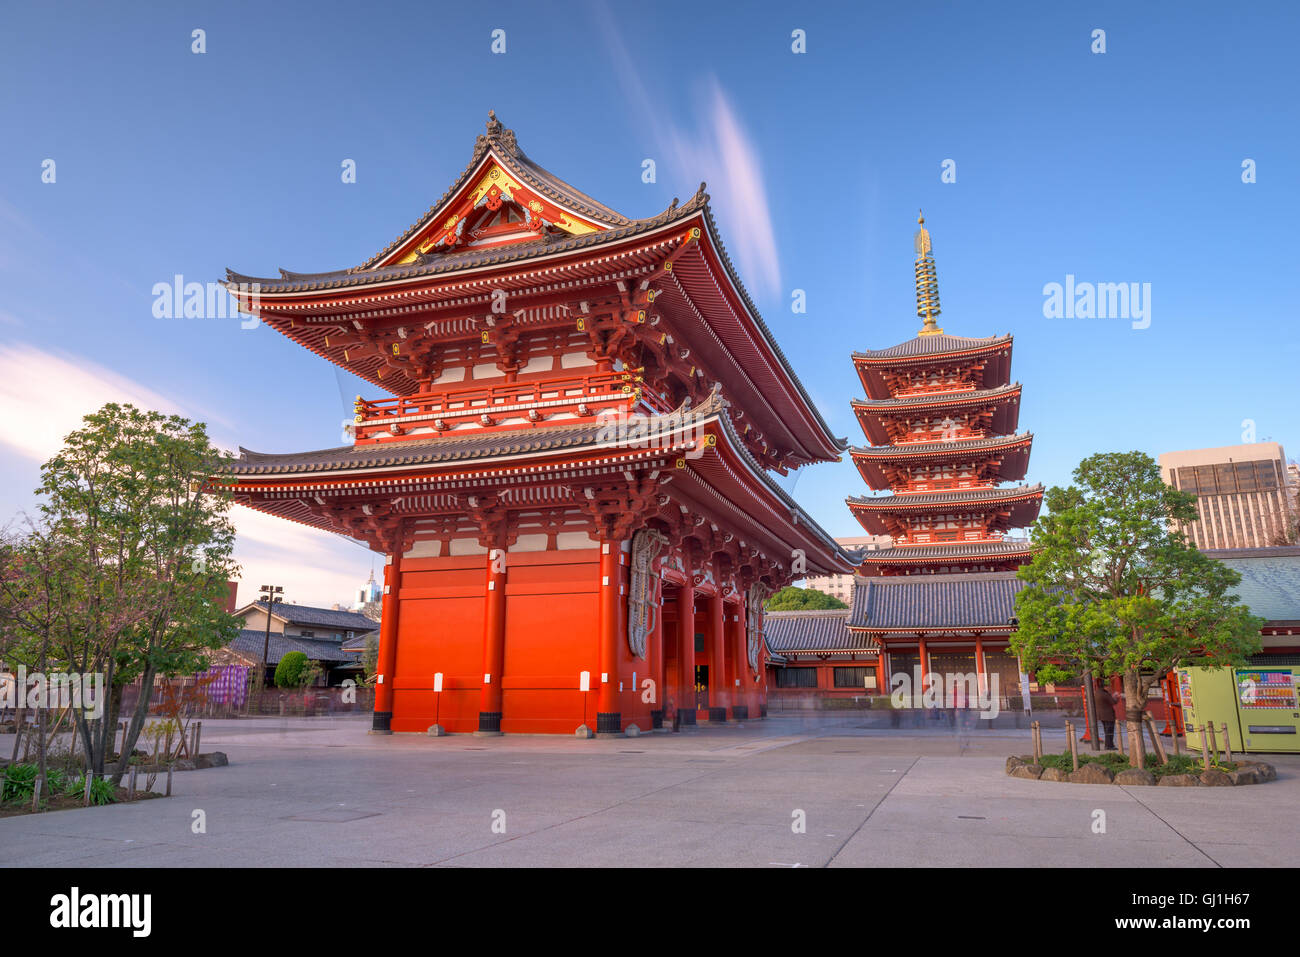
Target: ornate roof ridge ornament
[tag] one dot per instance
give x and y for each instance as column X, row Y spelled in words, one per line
column 500, row 135
column 927, row 282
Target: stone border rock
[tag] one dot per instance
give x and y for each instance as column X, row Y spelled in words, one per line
column 1248, row 772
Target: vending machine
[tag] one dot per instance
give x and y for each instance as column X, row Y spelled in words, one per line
column 1258, row 704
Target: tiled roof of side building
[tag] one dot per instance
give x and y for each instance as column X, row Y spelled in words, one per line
column 793, row 632
column 251, row 641
column 326, row 617
column 932, row 345
column 357, row 643
column 1270, row 579
column 935, row 602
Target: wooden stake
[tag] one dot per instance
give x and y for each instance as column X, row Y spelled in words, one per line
column 36, row 792
column 90, row 778
column 1038, row 741
column 1227, row 742
column 1074, row 744
column 1214, row 745
column 20, row 721
column 1205, row 749
column 1157, row 745
column 198, row 735
column 130, row 793
column 169, row 780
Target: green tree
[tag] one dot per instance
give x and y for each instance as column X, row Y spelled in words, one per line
column 370, row 658
column 1115, row 588
column 289, row 672
column 790, row 598
column 137, row 496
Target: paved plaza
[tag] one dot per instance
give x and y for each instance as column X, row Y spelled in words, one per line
column 321, row 792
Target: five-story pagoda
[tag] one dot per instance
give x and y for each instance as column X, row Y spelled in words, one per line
column 941, row 415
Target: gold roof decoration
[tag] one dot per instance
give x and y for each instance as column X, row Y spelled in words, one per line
column 927, row 283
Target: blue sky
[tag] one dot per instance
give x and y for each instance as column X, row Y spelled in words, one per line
column 1122, row 166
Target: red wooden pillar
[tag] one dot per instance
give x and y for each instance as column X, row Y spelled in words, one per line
column 925, row 663
column 881, row 686
column 382, row 721
column 609, row 720
column 737, row 666
column 979, row 665
column 719, row 693
column 747, row 693
column 686, row 652
column 655, row 666
column 494, row 643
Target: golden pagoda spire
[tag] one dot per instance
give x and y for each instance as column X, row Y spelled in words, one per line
column 927, row 285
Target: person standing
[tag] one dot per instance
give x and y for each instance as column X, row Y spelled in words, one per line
column 1105, row 702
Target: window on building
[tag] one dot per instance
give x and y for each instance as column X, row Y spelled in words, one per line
column 796, row 677
column 852, row 677
column 307, row 634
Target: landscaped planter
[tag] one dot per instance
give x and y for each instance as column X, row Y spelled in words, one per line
column 1091, row 772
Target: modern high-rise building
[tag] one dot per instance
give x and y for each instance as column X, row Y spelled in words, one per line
column 1243, row 494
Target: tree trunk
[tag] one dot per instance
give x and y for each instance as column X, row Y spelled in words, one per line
column 138, row 717
column 1134, row 704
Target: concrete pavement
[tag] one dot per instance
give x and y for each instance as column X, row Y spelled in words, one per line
column 799, row 790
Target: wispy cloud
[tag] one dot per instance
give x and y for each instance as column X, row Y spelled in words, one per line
column 44, row 395
column 314, row 567
column 714, row 148
column 726, row 157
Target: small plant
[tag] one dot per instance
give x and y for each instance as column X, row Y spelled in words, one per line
column 19, row 782
column 102, row 791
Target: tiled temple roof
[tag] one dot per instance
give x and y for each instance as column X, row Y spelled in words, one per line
column 958, row 551
column 434, row 264
column 935, row 500
column 940, row 449
column 797, row 632
column 449, row 447
column 935, row 602
column 932, row 345
column 937, row 399
column 502, row 143
column 486, row 445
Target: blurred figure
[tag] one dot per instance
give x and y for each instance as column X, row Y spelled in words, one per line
column 1105, row 712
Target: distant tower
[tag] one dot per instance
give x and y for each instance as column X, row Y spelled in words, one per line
column 368, row 593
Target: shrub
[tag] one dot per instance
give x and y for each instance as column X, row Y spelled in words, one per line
column 288, row 673
column 19, row 782
column 1116, row 762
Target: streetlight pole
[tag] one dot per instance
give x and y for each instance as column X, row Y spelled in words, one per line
column 270, row 594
